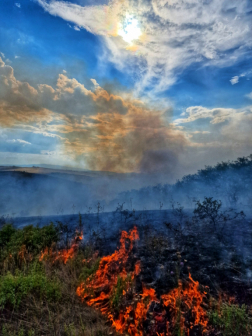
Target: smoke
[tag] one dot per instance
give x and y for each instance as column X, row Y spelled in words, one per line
column 160, row 161
column 96, row 128
column 99, row 129
column 139, row 141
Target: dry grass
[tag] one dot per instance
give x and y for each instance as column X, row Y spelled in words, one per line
column 66, row 316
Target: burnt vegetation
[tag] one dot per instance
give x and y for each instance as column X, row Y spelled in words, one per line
column 175, row 272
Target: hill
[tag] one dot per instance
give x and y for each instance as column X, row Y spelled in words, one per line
column 231, row 182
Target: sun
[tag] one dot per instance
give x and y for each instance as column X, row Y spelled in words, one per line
column 130, row 29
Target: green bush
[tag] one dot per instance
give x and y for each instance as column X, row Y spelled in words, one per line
column 32, row 237
column 15, row 288
column 6, row 233
column 231, row 319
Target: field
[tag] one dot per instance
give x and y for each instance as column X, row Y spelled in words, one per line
column 166, row 272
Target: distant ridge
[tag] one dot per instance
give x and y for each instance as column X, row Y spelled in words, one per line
column 52, row 169
column 56, row 167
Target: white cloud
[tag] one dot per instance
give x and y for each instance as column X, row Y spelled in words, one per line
column 75, row 27
column 249, row 95
column 18, row 4
column 17, row 56
column 216, row 115
column 234, row 80
column 96, row 85
column 226, row 134
column 175, row 34
column 237, row 133
column 201, row 132
column 20, row 141
column 2, row 134
column 2, row 55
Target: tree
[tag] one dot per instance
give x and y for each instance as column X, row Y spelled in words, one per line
column 210, row 211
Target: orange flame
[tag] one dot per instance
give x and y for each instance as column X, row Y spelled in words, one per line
column 133, row 309
column 181, row 301
column 97, row 291
column 63, row 255
column 24, row 255
column 110, row 268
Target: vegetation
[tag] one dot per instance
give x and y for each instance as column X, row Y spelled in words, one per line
column 38, row 297
column 38, row 294
column 231, row 319
column 229, row 182
column 44, row 271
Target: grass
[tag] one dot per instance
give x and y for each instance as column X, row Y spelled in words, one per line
column 38, row 298
column 231, row 319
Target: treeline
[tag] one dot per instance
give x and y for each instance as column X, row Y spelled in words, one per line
column 231, row 182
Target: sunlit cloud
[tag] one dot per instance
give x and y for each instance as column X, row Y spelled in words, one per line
column 129, row 29
column 167, row 36
column 215, row 115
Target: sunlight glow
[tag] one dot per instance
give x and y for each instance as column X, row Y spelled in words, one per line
column 130, row 29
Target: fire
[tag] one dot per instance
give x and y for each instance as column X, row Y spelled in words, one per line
column 182, row 302
column 110, row 268
column 62, row 255
column 183, row 305
column 24, row 255
column 137, row 268
column 99, row 290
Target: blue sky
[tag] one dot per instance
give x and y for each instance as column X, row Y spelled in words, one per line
column 111, row 85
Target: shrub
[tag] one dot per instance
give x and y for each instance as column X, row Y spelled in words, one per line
column 33, row 238
column 6, row 233
column 15, row 288
column 231, row 319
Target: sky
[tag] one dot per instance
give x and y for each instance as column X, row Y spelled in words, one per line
column 148, row 86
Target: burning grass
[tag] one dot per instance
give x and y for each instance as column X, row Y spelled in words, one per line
column 112, row 290
column 62, row 255
column 38, row 297
column 47, row 290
